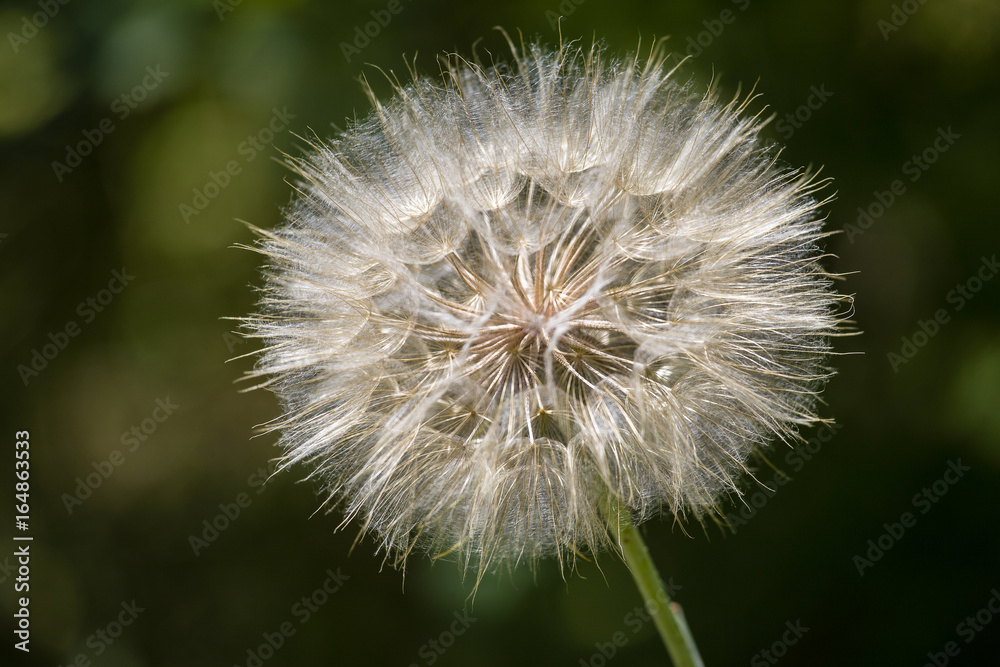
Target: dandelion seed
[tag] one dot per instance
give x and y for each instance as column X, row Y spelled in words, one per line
column 515, row 295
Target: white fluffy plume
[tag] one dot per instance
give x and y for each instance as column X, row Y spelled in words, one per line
column 515, row 295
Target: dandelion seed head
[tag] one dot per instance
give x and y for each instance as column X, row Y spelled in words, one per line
column 514, row 294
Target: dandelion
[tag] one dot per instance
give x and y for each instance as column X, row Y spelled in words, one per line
column 518, row 305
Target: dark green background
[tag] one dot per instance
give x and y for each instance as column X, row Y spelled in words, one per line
column 165, row 336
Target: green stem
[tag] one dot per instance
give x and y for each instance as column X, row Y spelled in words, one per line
column 668, row 615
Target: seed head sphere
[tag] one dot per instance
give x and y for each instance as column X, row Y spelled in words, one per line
column 516, row 294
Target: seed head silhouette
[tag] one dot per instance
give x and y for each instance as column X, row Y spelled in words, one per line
column 516, row 294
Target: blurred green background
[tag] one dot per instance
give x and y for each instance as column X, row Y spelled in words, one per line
column 165, row 97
